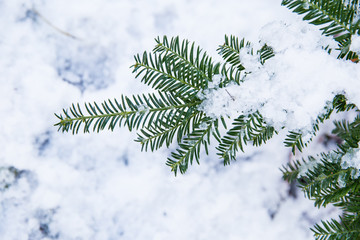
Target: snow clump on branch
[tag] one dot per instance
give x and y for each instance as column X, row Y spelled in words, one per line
column 291, row 89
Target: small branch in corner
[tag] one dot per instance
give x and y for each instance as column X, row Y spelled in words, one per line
column 232, row 97
column 53, row 26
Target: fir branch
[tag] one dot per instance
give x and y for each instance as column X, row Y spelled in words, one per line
column 230, row 51
column 265, row 53
column 157, row 72
column 257, row 131
column 340, row 104
column 321, row 182
column 319, row 119
column 350, row 204
column 334, row 193
column 232, row 141
column 177, row 125
column 294, row 140
column 187, row 60
column 230, row 74
column 190, row 147
column 291, row 170
column 351, row 219
column 335, row 17
column 334, row 230
column 349, row 132
column 140, row 111
column 244, row 130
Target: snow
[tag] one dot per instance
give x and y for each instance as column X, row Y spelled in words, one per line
column 101, row 186
column 352, row 160
column 142, row 108
column 215, row 81
column 291, row 89
column 308, row 166
column 251, row 62
column 355, row 44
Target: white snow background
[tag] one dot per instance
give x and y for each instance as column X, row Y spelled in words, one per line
column 101, row 186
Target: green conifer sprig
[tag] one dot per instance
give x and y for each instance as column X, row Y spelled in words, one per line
column 336, row 19
column 187, row 60
column 328, row 164
column 349, row 133
column 327, row 182
column 335, row 230
column 245, row 129
column 137, row 112
column 291, row 170
column 321, row 183
column 294, row 139
column 179, row 71
column 336, row 16
column 190, row 147
column 266, row 52
column 230, row 50
column 341, row 105
column 176, row 125
column 350, row 205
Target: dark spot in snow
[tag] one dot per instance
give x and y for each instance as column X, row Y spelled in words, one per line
column 330, row 141
column 124, row 159
column 272, row 213
column 85, row 66
column 308, row 218
column 42, row 142
column 164, row 20
column 29, row 15
column 44, row 229
column 293, row 189
column 9, row 176
column 44, row 218
column 273, row 210
column 248, row 157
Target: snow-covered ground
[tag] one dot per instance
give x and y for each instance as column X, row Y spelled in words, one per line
column 101, row 186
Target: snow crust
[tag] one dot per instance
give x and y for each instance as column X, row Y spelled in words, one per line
column 355, row 44
column 352, row 160
column 294, row 87
column 308, row 166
